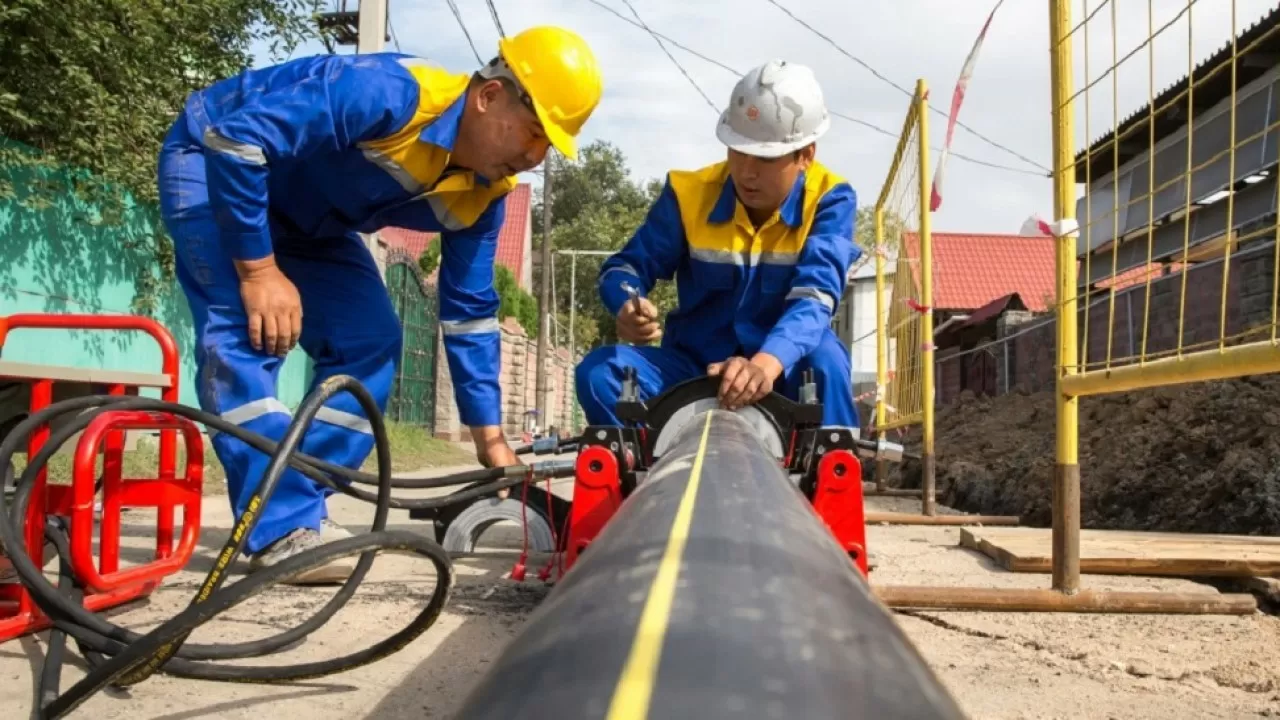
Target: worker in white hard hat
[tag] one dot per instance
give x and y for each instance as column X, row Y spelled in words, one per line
column 759, row 244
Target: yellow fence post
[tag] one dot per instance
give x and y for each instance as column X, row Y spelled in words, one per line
column 926, row 299
column 1066, row 479
column 882, row 347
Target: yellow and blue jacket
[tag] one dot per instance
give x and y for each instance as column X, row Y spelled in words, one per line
column 331, row 145
column 741, row 289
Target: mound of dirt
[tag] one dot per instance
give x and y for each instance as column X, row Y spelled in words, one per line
column 1192, row 458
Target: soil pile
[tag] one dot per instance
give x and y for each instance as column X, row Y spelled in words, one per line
column 1193, row 458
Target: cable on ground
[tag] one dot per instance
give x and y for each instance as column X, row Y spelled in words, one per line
column 120, row 658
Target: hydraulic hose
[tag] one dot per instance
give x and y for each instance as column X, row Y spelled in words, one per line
column 119, row 657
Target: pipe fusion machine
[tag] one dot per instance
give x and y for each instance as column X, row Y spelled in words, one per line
column 717, row 569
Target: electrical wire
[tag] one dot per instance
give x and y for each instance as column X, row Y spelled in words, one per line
column 457, row 14
column 497, row 21
column 120, row 658
column 902, row 89
column 394, row 37
column 667, row 52
column 857, row 121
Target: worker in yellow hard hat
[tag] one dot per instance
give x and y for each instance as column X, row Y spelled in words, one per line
column 265, row 180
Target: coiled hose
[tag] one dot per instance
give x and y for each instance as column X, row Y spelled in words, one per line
column 121, row 658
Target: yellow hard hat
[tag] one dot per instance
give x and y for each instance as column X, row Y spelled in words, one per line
column 560, row 74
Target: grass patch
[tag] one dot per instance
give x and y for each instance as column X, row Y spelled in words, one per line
column 411, row 449
column 140, row 463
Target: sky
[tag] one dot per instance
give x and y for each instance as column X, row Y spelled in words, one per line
column 661, row 122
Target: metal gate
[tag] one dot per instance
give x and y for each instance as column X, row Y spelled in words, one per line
column 413, row 394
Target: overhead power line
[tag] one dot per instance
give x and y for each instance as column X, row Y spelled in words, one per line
column 857, row 121
column 900, row 88
column 454, row 7
column 679, row 67
column 497, row 21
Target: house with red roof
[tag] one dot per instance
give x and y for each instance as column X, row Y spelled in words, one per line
column 979, row 279
column 984, row 286
column 515, row 240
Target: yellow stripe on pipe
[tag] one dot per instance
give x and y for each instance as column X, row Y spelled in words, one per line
column 634, row 691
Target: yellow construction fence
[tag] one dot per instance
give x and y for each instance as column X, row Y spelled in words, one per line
column 904, row 329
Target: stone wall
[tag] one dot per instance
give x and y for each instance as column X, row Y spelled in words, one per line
column 519, row 388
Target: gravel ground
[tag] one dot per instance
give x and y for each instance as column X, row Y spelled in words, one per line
column 997, row 665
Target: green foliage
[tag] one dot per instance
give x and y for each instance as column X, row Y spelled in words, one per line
column 599, row 178
column 595, row 206
column 95, row 84
column 429, row 260
column 865, row 230
column 515, row 302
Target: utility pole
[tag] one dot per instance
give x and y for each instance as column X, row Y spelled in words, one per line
column 573, row 291
column 372, row 35
column 544, row 296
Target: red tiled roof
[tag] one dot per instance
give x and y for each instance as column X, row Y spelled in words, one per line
column 413, row 242
column 970, row 270
column 511, row 238
column 511, row 249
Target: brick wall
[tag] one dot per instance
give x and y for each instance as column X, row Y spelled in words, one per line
column 1026, row 351
column 519, row 387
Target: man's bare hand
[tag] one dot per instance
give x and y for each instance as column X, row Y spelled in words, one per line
column 272, row 304
column 493, row 451
column 638, row 322
column 745, row 382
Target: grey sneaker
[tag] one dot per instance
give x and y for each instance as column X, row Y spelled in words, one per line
column 295, row 542
column 330, row 531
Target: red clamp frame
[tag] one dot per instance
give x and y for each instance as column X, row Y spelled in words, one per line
column 838, row 501
column 107, row 585
column 597, row 495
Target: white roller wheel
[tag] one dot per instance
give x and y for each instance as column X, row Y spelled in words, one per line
column 465, row 530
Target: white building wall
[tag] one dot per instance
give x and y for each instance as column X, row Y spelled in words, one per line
column 857, row 325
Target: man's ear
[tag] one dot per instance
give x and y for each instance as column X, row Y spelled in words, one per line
column 488, row 94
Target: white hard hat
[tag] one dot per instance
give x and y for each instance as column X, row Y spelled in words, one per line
column 775, row 109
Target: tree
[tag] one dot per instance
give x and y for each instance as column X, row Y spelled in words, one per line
column 597, row 206
column 429, row 260
column 598, row 178
column 515, row 302
column 95, row 84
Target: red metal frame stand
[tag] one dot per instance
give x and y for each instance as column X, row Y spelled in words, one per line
column 106, row 585
column 597, row 495
column 838, row 501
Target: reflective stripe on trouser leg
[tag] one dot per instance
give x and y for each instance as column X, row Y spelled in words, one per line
column 232, row 377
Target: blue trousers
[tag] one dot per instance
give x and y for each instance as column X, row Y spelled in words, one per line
column 599, row 378
column 349, row 327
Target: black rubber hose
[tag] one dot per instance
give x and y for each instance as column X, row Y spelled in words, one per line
column 121, row 657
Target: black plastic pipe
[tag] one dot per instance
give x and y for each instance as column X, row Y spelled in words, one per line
column 714, row 592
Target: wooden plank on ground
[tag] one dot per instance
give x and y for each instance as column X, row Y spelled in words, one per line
column 1115, row 552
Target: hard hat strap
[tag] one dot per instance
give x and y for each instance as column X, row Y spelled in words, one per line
column 498, row 69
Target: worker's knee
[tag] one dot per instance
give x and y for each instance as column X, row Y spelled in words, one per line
column 379, row 342
column 829, row 362
column 597, row 376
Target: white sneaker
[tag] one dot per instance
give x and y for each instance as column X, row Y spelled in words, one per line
column 295, row 542
column 330, row 531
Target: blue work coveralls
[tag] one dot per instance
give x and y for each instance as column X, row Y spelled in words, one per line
column 295, row 160
column 741, row 289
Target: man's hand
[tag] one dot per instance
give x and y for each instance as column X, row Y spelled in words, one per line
column 638, row 322
column 272, row 304
column 493, row 451
column 745, row 382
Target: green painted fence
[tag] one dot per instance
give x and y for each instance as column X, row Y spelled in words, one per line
column 58, row 255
